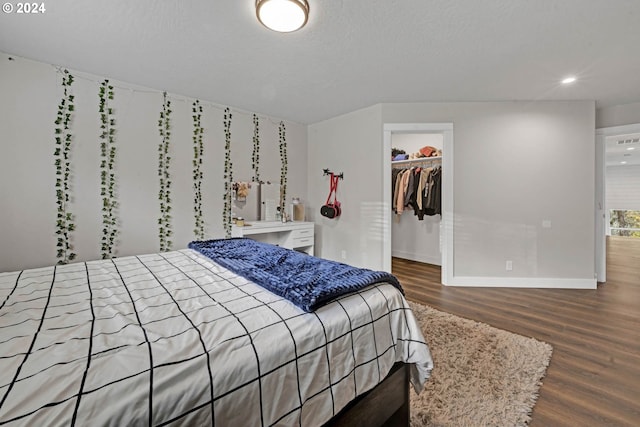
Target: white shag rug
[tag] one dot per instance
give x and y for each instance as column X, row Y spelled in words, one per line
column 482, row 376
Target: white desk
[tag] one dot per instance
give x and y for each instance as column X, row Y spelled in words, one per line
column 298, row 235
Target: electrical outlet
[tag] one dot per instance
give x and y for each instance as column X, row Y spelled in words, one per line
column 546, row 223
column 509, row 265
column 344, row 254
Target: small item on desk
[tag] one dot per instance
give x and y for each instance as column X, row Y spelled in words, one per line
column 240, row 221
column 297, row 210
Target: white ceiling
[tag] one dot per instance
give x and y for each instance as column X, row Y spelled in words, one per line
column 351, row 54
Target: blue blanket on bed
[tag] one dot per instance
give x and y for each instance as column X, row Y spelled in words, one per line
column 306, row 281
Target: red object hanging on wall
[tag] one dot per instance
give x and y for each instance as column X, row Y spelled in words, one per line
column 331, row 209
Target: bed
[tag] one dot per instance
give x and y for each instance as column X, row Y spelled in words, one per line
column 176, row 338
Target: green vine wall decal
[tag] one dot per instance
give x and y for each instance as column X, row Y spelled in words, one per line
column 228, row 174
column 62, row 158
column 198, row 150
column 164, row 163
column 255, row 156
column 284, row 166
column 107, row 170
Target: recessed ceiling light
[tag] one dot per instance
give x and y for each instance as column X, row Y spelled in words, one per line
column 623, row 162
column 568, row 80
column 631, row 148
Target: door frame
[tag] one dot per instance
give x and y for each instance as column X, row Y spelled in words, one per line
column 446, row 224
column 601, row 212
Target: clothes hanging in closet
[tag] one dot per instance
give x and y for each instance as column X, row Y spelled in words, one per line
column 432, row 200
column 419, row 189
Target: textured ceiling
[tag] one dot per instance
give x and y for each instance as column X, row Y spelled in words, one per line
column 351, row 54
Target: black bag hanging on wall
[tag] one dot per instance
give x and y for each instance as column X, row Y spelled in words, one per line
column 332, row 209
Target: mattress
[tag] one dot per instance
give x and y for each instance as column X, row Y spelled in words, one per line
column 176, row 339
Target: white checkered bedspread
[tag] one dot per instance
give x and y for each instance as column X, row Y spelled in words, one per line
column 175, row 339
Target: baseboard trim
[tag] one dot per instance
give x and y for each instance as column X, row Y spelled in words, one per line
column 523, row 282
column 417, row 257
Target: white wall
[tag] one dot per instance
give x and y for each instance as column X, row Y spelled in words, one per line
column 417, row 240
column 517, row 164
column 623, row 187
column 30, row 94
column 618, row 115
column 351, row 144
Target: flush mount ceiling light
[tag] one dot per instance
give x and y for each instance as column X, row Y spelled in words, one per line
column 568, row 80
column 283, row 16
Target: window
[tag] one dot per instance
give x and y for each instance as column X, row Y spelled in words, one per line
column 625, row 223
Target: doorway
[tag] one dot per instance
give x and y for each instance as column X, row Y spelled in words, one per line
column 617, row 153
column 446, row 224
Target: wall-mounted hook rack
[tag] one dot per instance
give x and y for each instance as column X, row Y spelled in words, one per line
column 328, row 172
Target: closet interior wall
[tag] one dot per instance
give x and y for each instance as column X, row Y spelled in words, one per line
column 413, row 239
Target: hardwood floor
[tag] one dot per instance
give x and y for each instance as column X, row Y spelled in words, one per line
column 594, row 375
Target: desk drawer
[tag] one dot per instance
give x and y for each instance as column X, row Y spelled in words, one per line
column 302, row 233
column 302, row 241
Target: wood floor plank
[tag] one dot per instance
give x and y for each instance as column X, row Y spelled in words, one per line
column 594, row 375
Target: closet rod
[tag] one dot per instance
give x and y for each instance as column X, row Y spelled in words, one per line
column 421, row 159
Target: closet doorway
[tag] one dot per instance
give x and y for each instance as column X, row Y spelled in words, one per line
column 617, row 158
column 444, row 133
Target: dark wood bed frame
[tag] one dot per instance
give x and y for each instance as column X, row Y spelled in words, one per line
column 386, row 405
